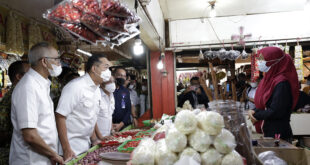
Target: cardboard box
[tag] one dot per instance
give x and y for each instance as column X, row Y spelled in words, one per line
column 297, row 156
column 299, row 123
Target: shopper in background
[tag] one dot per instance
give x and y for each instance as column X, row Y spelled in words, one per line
column 277, row 93
column 143, row 97
column 35, row 138
column 121, row 115
column 241, row 85
column 16, row 71
column 134, row 98
column 107, row 106
column 307, row 88
column 78, row 108
column 250, row 94
column 194, row 93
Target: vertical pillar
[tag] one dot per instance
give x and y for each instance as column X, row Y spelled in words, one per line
column 163, row 86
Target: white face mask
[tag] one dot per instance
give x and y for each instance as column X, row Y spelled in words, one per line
column 263, row 67
column 253, row 84
column 106, row 75
column 56, row 71
column 144, row 88
column 110, row 87
column 131, row 86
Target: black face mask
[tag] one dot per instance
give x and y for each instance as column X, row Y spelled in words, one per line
column 120, row 81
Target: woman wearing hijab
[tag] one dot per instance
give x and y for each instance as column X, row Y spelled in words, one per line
column 277, row 93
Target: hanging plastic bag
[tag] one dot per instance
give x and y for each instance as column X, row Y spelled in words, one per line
column 11, row 34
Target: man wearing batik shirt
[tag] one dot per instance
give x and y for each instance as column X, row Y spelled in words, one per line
column 16, row 71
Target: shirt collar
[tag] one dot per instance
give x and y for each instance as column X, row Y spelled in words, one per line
column 90, row 81
column 39, row 78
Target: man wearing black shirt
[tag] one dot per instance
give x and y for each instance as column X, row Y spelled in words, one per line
column 194, row 93
column 122, row 112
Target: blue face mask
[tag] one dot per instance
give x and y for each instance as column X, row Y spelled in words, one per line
column 262, row 66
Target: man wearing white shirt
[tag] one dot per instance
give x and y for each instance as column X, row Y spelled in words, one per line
column 104, row 121
column 35, row 138
column 78, row 108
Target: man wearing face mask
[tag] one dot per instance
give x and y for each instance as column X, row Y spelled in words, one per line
column 194, row 93
column 143, row 97
column 35, row 138
column 121, row 115
column 79, row 106
column 107, row 107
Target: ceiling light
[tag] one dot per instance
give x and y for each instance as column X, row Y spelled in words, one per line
column 138, row 47
column 84, row 52
column 212, row 12
column 160, row 64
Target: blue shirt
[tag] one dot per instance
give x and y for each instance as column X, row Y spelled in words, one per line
column 122, row 106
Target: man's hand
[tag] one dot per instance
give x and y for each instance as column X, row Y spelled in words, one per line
column 251, row 113
column 118, row 127
column 135, row 122
column 95, row 142
column 68, row 154
column 57, row 159
column 202, row 81
column 198, row 91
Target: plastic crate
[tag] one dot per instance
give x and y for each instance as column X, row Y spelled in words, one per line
column 129, row 149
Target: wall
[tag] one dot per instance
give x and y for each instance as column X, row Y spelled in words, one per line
column 163, row 87
column 271, row 26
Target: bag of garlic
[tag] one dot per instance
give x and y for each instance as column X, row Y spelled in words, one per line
column 232, row 158
column 211, row 122
column 186, row 122
column 175, row 140
column 163, row 156
column 211, row 157
column 190, row 152
column 200, row 140
column 144, row 153
column 225, row 142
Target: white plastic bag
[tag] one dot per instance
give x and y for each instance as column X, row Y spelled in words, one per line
column 211, row 157
column 200, row 140
column 211, row 122
column 225, row 142
column 175, row 140
column 190, row 152
column 144, row 154
column 186, row 122
column 233, row 158
column 270, row 158
column 163, row 155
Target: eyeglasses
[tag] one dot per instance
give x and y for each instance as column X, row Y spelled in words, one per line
column 57, row 59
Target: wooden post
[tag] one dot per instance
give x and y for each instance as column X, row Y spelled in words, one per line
column 214, row 81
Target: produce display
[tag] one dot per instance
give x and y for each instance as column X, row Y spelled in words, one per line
column 198, row 145
column 94, row 157
column 109, row 20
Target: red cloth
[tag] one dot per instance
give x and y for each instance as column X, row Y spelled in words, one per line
column 283, row 70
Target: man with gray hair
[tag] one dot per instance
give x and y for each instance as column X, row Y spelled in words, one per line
column 35, row 135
